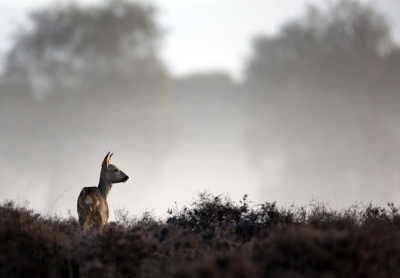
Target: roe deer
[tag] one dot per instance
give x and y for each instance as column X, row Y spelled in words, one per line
column 92, row 202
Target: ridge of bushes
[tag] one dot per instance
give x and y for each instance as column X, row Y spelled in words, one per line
column 211, row 237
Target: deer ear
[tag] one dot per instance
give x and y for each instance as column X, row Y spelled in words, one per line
column 109, row 160
column 106, row 161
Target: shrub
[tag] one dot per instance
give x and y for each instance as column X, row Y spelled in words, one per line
column 212, row 237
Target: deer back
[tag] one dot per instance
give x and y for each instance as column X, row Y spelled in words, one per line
column 92, row 207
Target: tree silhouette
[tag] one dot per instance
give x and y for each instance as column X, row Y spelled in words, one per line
column 98, row 85
column 323, row 93
column 70, row 47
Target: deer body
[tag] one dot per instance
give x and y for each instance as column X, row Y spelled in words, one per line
column 92, row 201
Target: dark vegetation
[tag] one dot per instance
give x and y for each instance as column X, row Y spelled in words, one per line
column 212, row 237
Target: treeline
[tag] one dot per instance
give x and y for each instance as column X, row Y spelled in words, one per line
column 213, row 236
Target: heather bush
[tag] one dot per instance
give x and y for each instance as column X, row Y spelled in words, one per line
column 211, row 237
column 208, row 212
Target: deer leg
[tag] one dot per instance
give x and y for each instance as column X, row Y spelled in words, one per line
column 84, row 229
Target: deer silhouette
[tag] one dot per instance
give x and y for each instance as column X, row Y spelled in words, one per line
column 92, row 202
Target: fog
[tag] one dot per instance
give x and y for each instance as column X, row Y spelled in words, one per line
column 315, row 116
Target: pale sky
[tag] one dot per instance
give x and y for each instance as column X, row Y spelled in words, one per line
column 205, row 35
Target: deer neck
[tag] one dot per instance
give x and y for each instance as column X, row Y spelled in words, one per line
column 104, row 186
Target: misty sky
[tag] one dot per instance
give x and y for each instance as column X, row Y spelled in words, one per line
column 204, row 35
column 200, row 35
